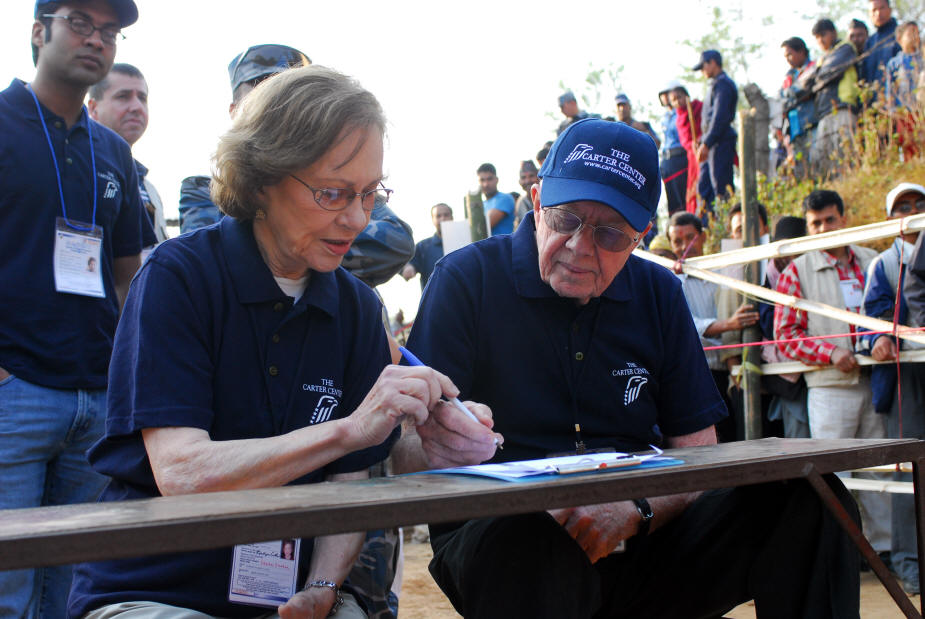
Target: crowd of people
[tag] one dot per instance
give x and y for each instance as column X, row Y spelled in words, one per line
column 136, row 366
column 821, row 103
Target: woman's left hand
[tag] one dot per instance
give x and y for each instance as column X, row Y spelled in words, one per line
column 314, row 603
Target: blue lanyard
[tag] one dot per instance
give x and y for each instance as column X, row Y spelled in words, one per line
column 54, row 160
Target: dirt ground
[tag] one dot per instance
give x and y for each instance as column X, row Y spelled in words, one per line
column 422, row 599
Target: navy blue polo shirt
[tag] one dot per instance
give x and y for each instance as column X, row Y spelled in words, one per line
column 628, row 367
column 208, row 340
column 46, row 337
column 426, row 254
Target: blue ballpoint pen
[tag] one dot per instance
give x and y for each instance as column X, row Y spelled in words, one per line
column 412, row 360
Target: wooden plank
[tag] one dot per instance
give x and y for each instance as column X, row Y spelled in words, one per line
column 792, row 247
column 772, row 296
column 874, row 485
column 89, row 532
column 789, row 367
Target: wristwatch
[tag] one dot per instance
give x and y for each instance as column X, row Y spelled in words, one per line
column 645, row 512
column 327, row 584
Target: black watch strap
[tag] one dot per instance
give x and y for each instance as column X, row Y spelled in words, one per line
column 645, row 512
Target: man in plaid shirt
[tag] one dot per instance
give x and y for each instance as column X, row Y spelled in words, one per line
column 839, row 398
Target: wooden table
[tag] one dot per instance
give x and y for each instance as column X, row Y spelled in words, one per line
column 94, row 531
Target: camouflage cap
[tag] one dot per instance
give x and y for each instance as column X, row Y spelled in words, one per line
column 262, row 60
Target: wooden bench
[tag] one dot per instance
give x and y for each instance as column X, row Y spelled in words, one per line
column 95, row 531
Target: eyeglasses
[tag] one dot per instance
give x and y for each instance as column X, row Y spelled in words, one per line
column 333, row 199
column 84, row 27
column 607, row 238
column 908, row 206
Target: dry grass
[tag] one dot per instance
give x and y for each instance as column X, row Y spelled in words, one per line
column 871, row 165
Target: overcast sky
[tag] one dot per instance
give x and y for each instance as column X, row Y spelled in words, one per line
column 461, row 83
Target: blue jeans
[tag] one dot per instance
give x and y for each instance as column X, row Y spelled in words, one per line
column 44, row 436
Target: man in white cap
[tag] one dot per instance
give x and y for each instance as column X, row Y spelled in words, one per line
column 906, row 417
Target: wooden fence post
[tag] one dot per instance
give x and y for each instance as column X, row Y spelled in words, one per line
column 475, row 214
column 751, row 355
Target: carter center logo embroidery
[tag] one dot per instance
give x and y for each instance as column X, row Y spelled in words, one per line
column 633, row 387
column 112, row 185
column 617, row 162
column 638, row 377
column 324, row 409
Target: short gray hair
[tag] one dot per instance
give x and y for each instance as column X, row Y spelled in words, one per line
column 287, row 123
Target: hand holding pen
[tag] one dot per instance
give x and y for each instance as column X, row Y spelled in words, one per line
column 454, row 401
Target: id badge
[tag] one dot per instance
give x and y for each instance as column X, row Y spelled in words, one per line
column 77, row 265
column 853, row 292
column 265, row 574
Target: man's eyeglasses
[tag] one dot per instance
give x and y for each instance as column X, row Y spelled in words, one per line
column 85, row 28
column 332, row 199
column 907, row 207
column 607, row 238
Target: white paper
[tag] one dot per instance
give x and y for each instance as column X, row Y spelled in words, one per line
column 543, row 466
column 455, row 234
column 265, row 574
column 853, row 292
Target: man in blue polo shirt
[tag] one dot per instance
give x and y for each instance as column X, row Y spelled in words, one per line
column 499, row 206
column 576, row 345
column 70, row 238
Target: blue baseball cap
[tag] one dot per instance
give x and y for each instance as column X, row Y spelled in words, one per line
column 125, row 10
column 606, row 162
column 707, row 56
column 622, row 98
column 261, row 60
column 565, row 97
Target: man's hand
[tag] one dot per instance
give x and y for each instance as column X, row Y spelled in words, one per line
column 884, row 349
column 399, row 391
column 844, row 360
column 408, row 271
column 449, row 438
column 313, row 603
column 744, row 316
column 599, row 528
column 702, row 152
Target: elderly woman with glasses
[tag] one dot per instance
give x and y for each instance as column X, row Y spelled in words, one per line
column 247, row 358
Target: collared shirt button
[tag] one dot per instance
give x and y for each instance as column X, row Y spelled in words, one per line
column 58, row 124
column 278, row 307
column 273, row 370
column 579, row 356
column 275, row 338
column 69, row 161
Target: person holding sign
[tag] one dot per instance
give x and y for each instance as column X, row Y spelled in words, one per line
column 70, row 241
column 278, row 374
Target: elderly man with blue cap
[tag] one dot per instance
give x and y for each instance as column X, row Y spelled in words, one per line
column 579, row 346
column 69, row 199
